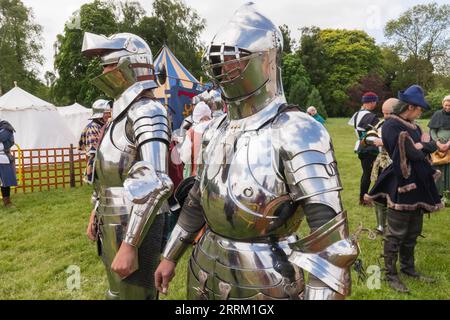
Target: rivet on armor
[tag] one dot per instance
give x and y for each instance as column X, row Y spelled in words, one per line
column 248, row 192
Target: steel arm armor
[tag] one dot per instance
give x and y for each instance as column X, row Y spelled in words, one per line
column 189, row 223
column 148, row 184
column 310, row 169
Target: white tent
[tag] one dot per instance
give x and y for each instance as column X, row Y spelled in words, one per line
column 76, row 117
column 37, row 122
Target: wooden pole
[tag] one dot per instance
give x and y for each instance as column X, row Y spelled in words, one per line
column 72, row 167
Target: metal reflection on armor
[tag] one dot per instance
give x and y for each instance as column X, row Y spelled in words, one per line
column 179, row 241
column 265, row 167
column 131, row 167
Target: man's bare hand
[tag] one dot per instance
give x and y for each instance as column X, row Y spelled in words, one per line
column 378, row 142
column 164, row 274
column 443, row 147
column 90, row 232
column 126, row 260
column 418, row 146
column 425, row 137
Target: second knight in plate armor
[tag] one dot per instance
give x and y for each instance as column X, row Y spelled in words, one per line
column 131, row 179
column 265, row 167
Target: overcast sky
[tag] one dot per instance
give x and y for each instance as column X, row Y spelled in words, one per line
column 367, row 15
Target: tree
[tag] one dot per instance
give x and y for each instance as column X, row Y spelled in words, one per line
column 20, row 44
column 314, row 99
column 179, row 27
column 417, row 71
column 294, row 73
column 422, row 32
column 336, row 60
column 442, row 81
column 312, row 53
column 74, row 71
column 130, row 15
column 298, row 94
column 288, row 42
column 371, row 82
column 391, row 65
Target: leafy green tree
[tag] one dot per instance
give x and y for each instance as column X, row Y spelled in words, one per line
column 294, row 73
column 314, row 99
column 442, row 81
column 312, row 53
column 288, row 42
column 298, row 94
column 422, row 32
column 336, row 60
column 391, row 65
column 178, row 26
column 74, row 71
column 20, row 44
column 130, row 15
column 414, row 71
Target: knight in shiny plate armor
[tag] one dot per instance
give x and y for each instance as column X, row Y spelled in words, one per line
column 265, row 167
column 131, row 180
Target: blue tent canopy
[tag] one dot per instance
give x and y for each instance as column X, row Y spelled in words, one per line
column 179, row 88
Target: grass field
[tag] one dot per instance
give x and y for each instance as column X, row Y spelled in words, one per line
column 44, row 235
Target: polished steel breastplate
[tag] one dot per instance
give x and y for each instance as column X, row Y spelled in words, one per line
column 115, row 155
column 243, row 194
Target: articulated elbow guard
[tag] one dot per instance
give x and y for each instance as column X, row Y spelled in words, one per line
column 147, row 189
column 149, row 122
column 328, row 253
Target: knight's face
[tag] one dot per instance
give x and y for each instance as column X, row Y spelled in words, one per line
column 233, row 69
column 109, row 67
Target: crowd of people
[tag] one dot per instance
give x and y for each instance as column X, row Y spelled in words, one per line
column 395, row 152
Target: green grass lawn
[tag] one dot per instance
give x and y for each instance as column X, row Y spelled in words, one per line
column 45, row 234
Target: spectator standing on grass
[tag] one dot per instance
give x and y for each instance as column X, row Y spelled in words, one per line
column 312, row 111
column 363, row 121
column 407, row 187
column 382, row 161
column 7, row 162
column 89, row 139
column 440, row 131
